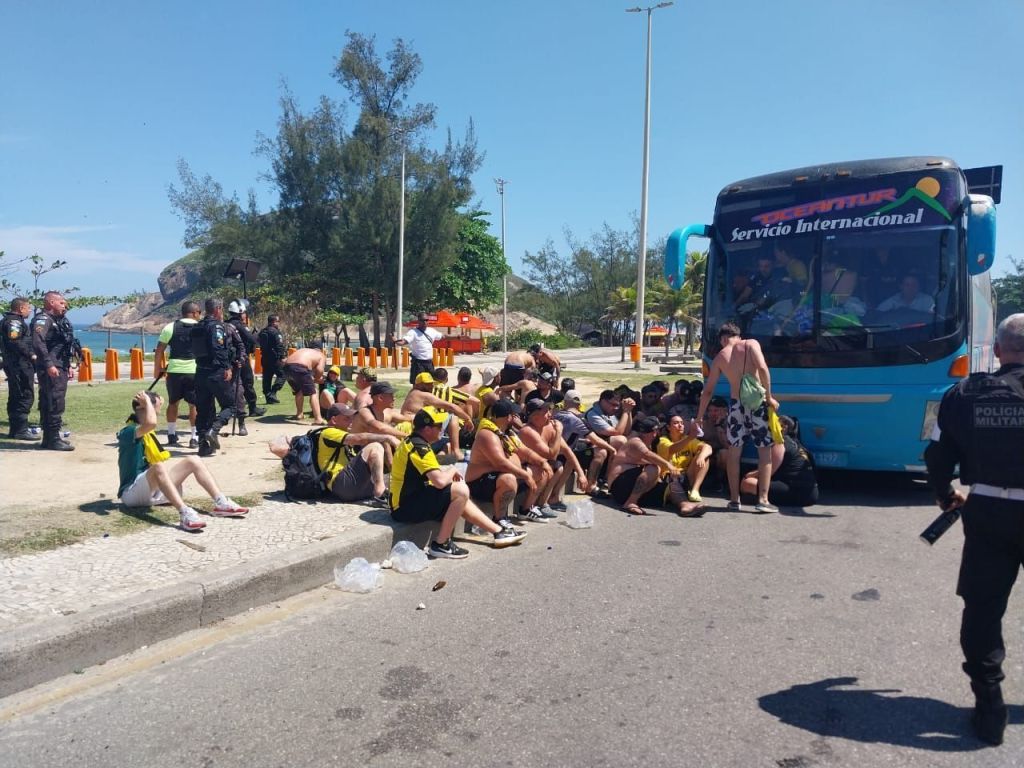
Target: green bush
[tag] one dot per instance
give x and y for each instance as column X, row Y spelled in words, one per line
column 524, row 337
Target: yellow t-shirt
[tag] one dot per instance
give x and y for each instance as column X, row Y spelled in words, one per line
column 485, row 410
column 414, row 458
column 328, row 441
column 681, row 458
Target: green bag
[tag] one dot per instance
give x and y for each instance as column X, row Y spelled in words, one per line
column 751, row 392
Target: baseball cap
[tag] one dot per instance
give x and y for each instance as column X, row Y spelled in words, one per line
column 504, row 408
column 424, row 378
column 488, row 372
column 546, row 376
column 367, row 373
column 536, row 404
column 381, row 388
column 427, row 416
column 340, row 410
column 647, row 425
column 572, row 397
column 335, row 370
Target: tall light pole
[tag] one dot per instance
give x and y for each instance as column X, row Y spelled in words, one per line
column 401, row 251
column 504, row 278
column 641, row 267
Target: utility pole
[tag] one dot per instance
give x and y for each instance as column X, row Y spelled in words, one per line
column 401, row 250
column 642, row 258
column 504, row 278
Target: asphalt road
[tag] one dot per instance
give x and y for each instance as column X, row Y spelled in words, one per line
column 827, row 639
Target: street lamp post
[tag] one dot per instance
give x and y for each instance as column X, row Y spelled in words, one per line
column 401, row 251
column 504, row 278
column 642, row 258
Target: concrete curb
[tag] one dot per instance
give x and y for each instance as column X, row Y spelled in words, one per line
column 45, row 650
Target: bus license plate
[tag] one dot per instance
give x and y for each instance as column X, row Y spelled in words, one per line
column 830, row 458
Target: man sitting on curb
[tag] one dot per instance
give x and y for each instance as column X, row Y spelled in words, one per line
column 379, row 417
column 591, row 449
column 543, row 436
column 148, row 479
column 352, row 476
column 495, row 473
column 422, row 491
column 364, row 379
column 634, row 472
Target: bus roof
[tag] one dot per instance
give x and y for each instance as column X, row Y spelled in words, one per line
column 854, row 169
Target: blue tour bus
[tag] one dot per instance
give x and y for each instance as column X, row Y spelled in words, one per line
column 866, row 284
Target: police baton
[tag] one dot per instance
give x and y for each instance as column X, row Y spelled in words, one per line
column 156, row 380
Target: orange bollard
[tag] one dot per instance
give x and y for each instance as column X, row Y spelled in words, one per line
column 436, row 359
column 405, row 357
column 85, row 367
column 361, row 357
column 383, row 357
column 394, row 357
column 451, row 357
column 257, row 365
column 335, row 356
column 373, row 357
column 348, row 356
column 135, row 358
column 113, row 372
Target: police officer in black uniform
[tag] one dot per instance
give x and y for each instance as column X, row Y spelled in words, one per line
column 19, row 365
column 211, row 343
column 238, row 355
column 273, row 352
column 980, row 426
column 238, row 316
column 53, row 341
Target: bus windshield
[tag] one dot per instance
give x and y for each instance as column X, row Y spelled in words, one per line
column 838, row 291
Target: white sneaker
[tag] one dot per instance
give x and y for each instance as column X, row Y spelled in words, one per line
column 229, row 509
column 190, row 520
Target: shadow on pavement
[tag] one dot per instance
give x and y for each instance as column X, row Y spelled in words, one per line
column 874, row 489
column 830, row 708
column 104, row 507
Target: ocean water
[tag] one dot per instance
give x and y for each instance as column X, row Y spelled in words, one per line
column 122, row 342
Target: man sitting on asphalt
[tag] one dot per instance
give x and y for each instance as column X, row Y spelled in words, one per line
column 543, row 436
column 495, row 473
column 611, row 417
column 148, row 479
column 352, row 476
column 635, row 471
column 591, row 449
column 650, row 402
column 422, row 395
column 422, row 491
column 302, row 369
column 692, row 456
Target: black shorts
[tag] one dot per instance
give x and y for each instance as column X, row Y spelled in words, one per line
column 181, row 386
column 354, row 482
column 300, row 379
column 429, row 504
column 781, row 492
column 512, row 374
column 483, row 488
column 622, row 489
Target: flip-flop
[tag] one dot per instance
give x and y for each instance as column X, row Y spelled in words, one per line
column 633, row 509
column 697, row 511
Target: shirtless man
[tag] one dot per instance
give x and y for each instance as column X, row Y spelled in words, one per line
column 547, row 361
column 516, row 366
column 364, row 378
column 542, row 435
column 379, row 417
column 422, row 394
column 302, row 369
column 495, row 473
column 634, row 472
column 736, row 357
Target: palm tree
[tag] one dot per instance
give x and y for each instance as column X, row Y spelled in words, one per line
column 621, row 308
column 683, row 307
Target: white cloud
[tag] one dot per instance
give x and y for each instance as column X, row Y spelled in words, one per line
column 93, row 269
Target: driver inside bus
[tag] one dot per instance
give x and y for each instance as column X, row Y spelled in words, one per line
column 909, row 297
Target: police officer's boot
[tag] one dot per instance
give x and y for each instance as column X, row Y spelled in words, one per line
column 989, row 716
column 211, row 437
column 254, row 410
column 23, row 434
column 271, row 397
column 54, row 442
column 242, row 431
column 205, row 449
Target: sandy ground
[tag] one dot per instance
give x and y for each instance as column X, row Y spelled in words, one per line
column 49, row 489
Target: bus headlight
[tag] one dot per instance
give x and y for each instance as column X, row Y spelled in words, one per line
column 931, row 416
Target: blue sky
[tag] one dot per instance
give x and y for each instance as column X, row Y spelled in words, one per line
column 99, row 100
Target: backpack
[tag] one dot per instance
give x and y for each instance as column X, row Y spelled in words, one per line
column 303, row 479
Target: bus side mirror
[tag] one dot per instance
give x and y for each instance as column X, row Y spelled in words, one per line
column 675, row 253
column 981, row 234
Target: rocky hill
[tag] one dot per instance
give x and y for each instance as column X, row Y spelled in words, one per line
column 152, row 311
